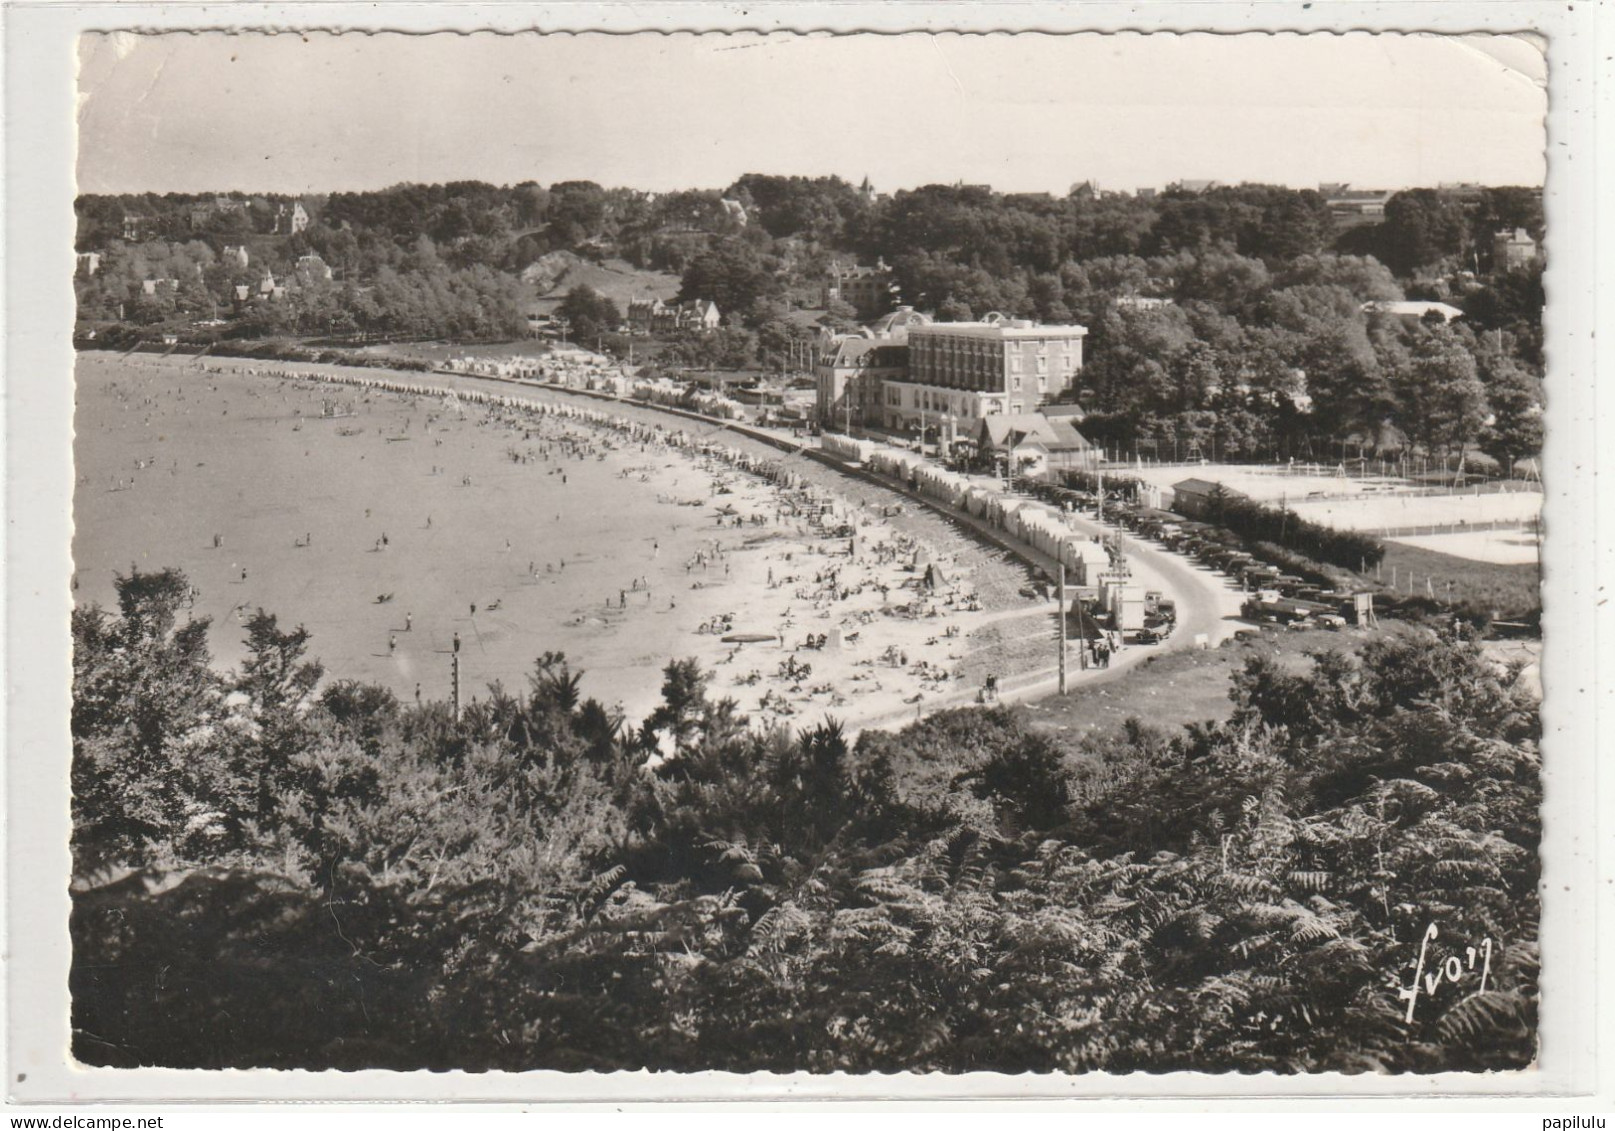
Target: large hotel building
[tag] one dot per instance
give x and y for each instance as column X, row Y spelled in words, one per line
column 963, row 371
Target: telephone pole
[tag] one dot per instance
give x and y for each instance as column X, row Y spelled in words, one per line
column 1062, row 628
column 454, row 679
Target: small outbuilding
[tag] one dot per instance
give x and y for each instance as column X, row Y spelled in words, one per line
column 1193, row 498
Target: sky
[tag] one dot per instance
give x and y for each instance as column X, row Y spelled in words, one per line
column 1024, row 113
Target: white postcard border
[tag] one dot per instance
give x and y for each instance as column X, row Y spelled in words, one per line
column 1578, row 665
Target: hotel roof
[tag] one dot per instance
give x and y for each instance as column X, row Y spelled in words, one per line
column 1001, row 328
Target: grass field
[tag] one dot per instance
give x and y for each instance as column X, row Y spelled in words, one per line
column 617, row 279
column 1178, row 688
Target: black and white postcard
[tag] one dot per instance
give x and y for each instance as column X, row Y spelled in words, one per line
column 1051, row 555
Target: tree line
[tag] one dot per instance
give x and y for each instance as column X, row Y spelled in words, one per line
column 1231, row 316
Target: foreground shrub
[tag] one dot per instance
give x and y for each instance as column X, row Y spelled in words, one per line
column 378, row 885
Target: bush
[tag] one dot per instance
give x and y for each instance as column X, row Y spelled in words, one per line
column 518, row 888
column 1250, row 519
column 1300, row 565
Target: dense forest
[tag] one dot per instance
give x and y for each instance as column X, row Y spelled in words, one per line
column 1250, row 339
column 278, row 868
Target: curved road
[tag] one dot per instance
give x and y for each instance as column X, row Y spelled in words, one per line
column 1207, row 604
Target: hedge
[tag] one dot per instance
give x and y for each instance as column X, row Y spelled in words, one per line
column 1249, row 519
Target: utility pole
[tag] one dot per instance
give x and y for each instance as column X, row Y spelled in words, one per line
column 454, row 679
column 1062, row 628
column 1082, row 637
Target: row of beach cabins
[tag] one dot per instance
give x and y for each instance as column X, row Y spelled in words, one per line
column 1042, row 527
column 1039, row 525
column 590, row 372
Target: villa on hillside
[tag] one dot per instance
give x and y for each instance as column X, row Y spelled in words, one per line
column 1351, row 206
column 653, row 316
column 291, row 220
column 643, row 313
column 1511, row 249
column 868, row 290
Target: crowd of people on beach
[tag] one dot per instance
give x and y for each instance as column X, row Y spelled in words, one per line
column 863, row 562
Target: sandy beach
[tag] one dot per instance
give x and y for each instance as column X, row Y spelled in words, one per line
column 389, row 524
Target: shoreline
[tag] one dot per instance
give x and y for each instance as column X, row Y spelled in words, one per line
column 969, row 649
column 866, row 678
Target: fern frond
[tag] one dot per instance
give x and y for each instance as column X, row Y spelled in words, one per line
column 1482, row 1016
